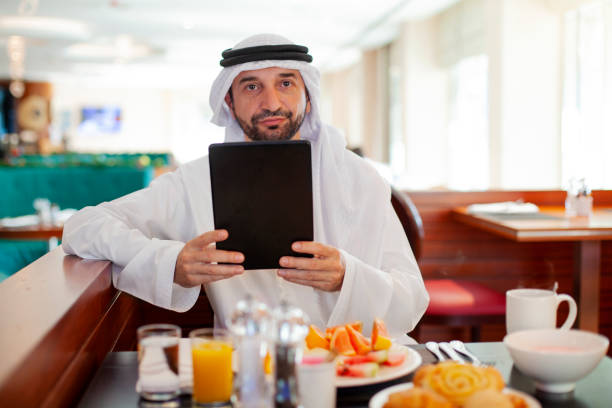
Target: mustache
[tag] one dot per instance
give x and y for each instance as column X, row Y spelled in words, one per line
column 267, row 114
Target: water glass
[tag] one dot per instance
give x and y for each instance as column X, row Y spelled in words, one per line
column 317, row 385
column 158, row 377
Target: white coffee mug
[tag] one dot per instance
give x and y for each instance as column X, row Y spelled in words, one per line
column 536, row 309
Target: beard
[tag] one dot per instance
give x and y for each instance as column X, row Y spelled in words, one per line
column 278, row 132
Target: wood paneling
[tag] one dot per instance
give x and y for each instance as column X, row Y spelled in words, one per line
column 457, row 251
column 75, row 378
column 48, row 311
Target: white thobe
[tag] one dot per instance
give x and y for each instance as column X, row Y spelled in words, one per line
column 142, row 234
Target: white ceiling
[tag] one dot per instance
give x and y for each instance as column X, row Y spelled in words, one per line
column 184, row 38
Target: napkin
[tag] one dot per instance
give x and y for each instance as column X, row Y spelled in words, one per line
column 154, row 375
column 507, row 207
column 31, row 220
column 23, row 221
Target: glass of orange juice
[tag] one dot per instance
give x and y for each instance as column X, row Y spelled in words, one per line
column 211, row 351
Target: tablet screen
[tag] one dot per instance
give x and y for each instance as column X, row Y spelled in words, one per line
column 262, row 195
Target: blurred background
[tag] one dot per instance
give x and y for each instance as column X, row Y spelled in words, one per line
column 440, row 94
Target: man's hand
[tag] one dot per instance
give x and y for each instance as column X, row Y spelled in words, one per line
column 325, row 271
column 196, row 263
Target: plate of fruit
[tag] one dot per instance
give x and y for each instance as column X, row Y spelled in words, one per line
column 360, row 360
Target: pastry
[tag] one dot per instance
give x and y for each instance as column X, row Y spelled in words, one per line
column 488, row 398
column 456, row 382
column 416, row 398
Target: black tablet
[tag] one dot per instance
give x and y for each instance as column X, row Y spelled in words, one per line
column 262, row 195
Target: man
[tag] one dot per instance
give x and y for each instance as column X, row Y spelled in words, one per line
column 161, row 239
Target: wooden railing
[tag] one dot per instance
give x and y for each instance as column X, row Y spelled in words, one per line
column 59, row 317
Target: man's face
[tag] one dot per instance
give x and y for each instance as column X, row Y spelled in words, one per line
column 270, row 103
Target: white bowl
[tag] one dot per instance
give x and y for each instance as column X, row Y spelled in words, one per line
column 555, row 358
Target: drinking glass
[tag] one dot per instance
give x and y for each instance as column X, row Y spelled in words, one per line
column 158, row 345
column 317, row 385
column 211, row 351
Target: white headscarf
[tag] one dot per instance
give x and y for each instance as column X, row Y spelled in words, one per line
column 338, row 217
column 222, row 115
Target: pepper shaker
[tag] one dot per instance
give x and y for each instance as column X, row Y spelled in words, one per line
column 289, row 331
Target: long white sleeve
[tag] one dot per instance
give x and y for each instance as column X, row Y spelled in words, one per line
column 142, row 234
column 395, row 292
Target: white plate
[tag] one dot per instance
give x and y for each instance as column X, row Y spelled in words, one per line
column 412, row 362
column 379, row 399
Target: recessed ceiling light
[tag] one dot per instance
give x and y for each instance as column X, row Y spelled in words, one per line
column 121, row 48
column 44, row 28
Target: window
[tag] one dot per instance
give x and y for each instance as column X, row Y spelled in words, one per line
column 468, row 142
column 586, row 127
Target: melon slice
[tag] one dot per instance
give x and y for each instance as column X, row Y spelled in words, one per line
column 341, row 342
column 329, row 332
column 380, row 336
column 352, row 360
column 360, row 343
column 395, row 358
column 371, row 357
column 316, row 339
column 378, row 356
column 358, row 370
column 316, row 356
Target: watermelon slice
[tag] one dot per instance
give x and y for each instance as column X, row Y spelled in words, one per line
column 379, row 356
column 315, row 356
column 358, row 370
column 356, row 360
column 395, row 358
column 371, row 357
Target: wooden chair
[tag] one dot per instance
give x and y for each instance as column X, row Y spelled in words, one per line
column 453, row 303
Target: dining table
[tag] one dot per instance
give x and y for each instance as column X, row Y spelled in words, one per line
column 550, row 224
column 114, row 382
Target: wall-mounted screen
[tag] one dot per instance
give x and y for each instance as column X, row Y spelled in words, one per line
column 100, row 119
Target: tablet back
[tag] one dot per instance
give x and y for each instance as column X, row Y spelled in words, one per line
column 262, row 194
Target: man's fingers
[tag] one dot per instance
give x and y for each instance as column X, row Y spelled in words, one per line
column 214, row 269
column 209, row 237
column 293, row 262
column 314, row 248
column 306, row 276
column 210, row 255
column 323, row 285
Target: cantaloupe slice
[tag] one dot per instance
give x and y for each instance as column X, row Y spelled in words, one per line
column 380, row 336
column 359, row 342
column 341, row 343
column 329, row 332
column 316, row 339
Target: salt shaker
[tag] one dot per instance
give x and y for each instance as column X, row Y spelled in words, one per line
column 249, row 323
column 584, row 200
column 288, row 333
